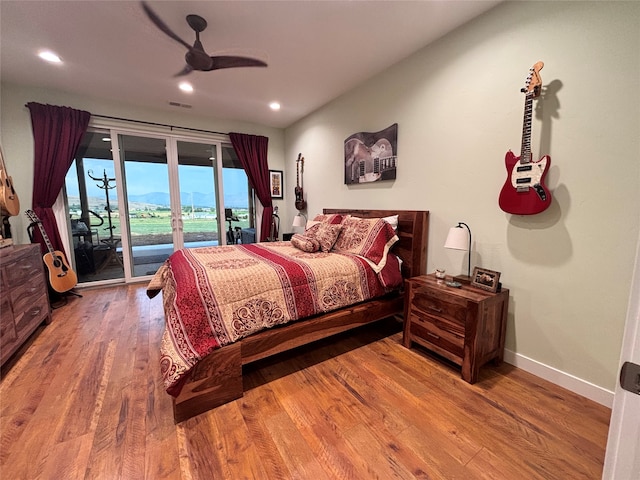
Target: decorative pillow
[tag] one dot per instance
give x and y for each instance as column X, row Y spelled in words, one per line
column 312, row 225
column 305, row 243
column 391, row 275
column 326, row 235
column 332, row 218
column 391, row 220
column 370, row 238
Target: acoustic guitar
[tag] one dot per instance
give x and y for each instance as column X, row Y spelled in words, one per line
column 9, row 202
column 61, row 277
column 301, row 204
column 524, row 192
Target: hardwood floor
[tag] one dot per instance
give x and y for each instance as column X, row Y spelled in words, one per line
column 85, row 400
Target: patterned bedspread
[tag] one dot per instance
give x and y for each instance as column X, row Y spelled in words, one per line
column 214, row 296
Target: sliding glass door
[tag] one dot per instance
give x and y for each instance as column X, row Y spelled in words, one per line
column 198, row 194
column 148, row 207
column 177, row 192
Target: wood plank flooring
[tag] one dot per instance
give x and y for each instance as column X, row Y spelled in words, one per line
column 84, row 399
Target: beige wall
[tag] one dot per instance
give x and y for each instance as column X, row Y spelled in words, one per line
column 459, row 109
column 17, row 137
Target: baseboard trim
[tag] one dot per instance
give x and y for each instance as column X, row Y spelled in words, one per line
column 558, row 377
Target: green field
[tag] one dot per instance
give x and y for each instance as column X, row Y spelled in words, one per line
column 150, row 227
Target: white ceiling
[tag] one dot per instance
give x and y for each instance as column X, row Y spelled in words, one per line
column 316, row 50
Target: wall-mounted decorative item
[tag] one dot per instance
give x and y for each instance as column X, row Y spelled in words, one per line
column 371, row 156
column 524, row 191
column 301, row 204
column 485, row 279
column 275, row 183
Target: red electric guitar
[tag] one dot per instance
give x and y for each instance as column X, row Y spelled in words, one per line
column 524, row 192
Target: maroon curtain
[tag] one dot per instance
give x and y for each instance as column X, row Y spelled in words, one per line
column 57, row 132
column 252, row 152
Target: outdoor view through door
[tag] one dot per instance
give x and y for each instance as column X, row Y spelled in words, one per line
column 176, row 191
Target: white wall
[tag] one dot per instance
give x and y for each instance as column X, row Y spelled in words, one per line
column 459, row 109
column 17, row 136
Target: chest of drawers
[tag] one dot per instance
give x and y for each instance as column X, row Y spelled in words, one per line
column 465, row 325
column 24, row 300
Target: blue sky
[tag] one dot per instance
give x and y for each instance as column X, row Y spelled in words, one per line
column 153, row 177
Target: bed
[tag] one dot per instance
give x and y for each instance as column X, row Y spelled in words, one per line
column 212, row 375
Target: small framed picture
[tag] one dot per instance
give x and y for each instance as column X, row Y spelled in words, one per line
column 275, row 183
column 485, row 279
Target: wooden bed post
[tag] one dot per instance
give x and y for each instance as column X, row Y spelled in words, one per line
column 214, row 381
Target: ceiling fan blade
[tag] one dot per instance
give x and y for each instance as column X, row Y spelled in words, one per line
column 162, row 26
column 185, row 71
column 227, row 61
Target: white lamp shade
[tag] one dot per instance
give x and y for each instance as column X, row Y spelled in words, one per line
column 457, row 239
column 299, row 221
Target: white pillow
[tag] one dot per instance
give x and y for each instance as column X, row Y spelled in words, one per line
column 392, row 220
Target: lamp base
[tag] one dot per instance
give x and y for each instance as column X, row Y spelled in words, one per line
column 463, row 279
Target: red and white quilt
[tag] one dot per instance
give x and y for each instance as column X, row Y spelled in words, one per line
column 214, row 296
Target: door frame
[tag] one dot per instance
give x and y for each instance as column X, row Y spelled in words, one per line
column 622, row 457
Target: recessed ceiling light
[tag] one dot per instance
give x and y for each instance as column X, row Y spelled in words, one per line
column 274, row 106
column 106, row 139
column 186, row 87
column 49, row 56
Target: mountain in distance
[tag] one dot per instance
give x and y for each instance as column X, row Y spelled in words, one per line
column 197, row 199
column 161, row 199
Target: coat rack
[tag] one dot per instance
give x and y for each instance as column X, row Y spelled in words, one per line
column 111, row 242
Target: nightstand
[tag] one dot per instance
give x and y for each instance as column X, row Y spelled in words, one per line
column 466, row 325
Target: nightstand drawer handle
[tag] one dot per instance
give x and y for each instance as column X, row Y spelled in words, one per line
column 437, row 337
column 431, row 307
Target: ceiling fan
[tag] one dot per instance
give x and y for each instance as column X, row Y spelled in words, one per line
column 196, row 57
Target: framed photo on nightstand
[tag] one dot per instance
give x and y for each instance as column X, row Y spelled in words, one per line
column 485, row 279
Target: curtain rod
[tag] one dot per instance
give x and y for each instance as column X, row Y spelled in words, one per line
column 155, row 124
column 159, row 124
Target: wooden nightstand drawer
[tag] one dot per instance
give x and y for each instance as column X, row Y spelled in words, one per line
column 438, row 333
column 432, row 303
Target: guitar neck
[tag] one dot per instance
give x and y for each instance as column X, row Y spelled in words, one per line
column 525, row 148
column 46, row 238
column 34, row 218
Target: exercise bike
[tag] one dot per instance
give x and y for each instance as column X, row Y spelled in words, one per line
column 233, row 234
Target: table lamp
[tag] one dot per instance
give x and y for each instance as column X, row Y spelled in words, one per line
column 299, row 220
column 458, row 240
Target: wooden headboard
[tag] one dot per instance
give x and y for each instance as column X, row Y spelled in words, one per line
column 413, row 231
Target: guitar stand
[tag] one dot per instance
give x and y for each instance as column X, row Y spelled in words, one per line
column 60, row 299
column 6, row 227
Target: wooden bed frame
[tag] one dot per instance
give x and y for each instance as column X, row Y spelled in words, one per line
column 217, row 379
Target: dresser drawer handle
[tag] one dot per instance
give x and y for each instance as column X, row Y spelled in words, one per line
column 36, row 311
column 431, row 307
column 433, row 335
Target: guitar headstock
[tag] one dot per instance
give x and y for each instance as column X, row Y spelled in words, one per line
column 32, row 216
column 533, row 84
